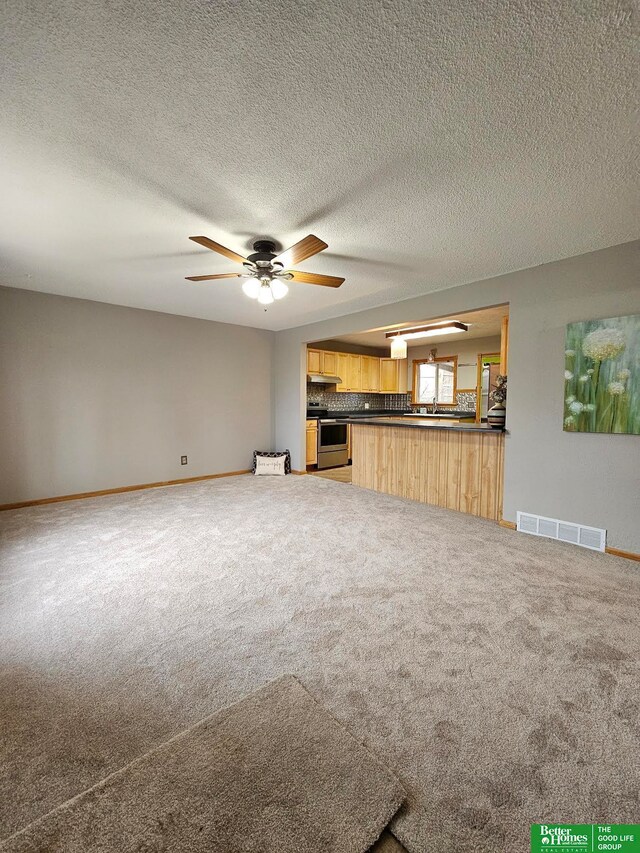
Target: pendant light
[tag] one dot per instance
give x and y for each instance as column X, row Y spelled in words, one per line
column 398, row 347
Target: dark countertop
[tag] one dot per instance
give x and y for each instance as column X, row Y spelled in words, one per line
column 417, row 423
column 367, row 413
column 394, row 413
column 359, row 413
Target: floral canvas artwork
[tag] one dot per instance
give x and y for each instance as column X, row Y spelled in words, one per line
column 602, row 376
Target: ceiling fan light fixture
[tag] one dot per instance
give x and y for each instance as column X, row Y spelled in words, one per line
column 265, row 296
column 265, row 268
column 279, row 289
column 251, row 288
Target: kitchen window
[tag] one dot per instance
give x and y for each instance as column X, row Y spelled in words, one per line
column 435, row 380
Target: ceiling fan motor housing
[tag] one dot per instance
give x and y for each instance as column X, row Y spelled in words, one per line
column 264, row 251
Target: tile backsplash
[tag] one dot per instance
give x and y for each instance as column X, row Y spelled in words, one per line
column 466, row 401
column 344, row 402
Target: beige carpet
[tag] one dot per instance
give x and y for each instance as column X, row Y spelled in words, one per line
column 496, row 673
column 272, row 774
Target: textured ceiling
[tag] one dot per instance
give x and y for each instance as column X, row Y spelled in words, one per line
column 485, row 323
column 429, row 144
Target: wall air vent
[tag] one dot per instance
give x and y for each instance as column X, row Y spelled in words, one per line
column 565, row 531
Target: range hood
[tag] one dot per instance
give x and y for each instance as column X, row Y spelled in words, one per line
column 321, row 379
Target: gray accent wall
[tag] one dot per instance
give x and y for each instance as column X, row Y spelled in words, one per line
column 96, row 396
column 591, row 479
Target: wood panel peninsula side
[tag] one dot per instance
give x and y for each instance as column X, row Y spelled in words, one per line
column 453, row 465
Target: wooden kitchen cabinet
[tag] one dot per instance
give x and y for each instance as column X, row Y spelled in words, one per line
column 360, row 373
column 403, row 379
column 342, row 370
column 329, row 364
column 312, row 442
column 322, row 362
column 370, row 373
column 374, row 375
column 354, row 373
column 388, row 375
column 365, row 374
column 393, row 375
column 314, row 361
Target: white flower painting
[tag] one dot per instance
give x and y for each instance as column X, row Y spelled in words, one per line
column 602, row 376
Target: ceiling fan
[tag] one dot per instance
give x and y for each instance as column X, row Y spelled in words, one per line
column 265, row 269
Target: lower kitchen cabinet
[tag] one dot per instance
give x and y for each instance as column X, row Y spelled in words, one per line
column 312, row 442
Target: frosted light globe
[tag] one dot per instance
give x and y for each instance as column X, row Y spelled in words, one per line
column 279, row 289
column 251, row 288
column 265, row 297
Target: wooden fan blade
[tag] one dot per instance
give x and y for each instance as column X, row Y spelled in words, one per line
column 314, row 278
column 211, row 277
column 302, row 250
column 221, row 250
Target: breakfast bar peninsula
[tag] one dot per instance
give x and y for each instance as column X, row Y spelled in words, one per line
column 445, row 461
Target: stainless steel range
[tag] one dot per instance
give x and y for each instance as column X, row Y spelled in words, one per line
column 332, row 438
column 332, row 443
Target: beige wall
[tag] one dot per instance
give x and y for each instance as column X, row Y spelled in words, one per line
column 467, row 353
column 95, row 396
column 592, row 479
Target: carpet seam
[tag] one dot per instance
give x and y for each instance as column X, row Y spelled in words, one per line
column 121, row 770
column 402, row 794
column 399, row 796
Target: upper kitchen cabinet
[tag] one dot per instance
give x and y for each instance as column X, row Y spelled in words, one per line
column 370, row 373
column 354, row 373
column 393, row 375
column 314, row 361
column 342, row 370
column 321, row 362
column 350, row 369
column 329, row 363
column 360, row 374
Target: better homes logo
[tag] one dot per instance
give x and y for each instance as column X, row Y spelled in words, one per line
column 585, row 838
column 570, row 839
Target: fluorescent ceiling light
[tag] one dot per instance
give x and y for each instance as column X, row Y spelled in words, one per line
column 450, row 328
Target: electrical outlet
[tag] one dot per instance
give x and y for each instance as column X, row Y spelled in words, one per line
column 366, row 405
column 183, row 460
